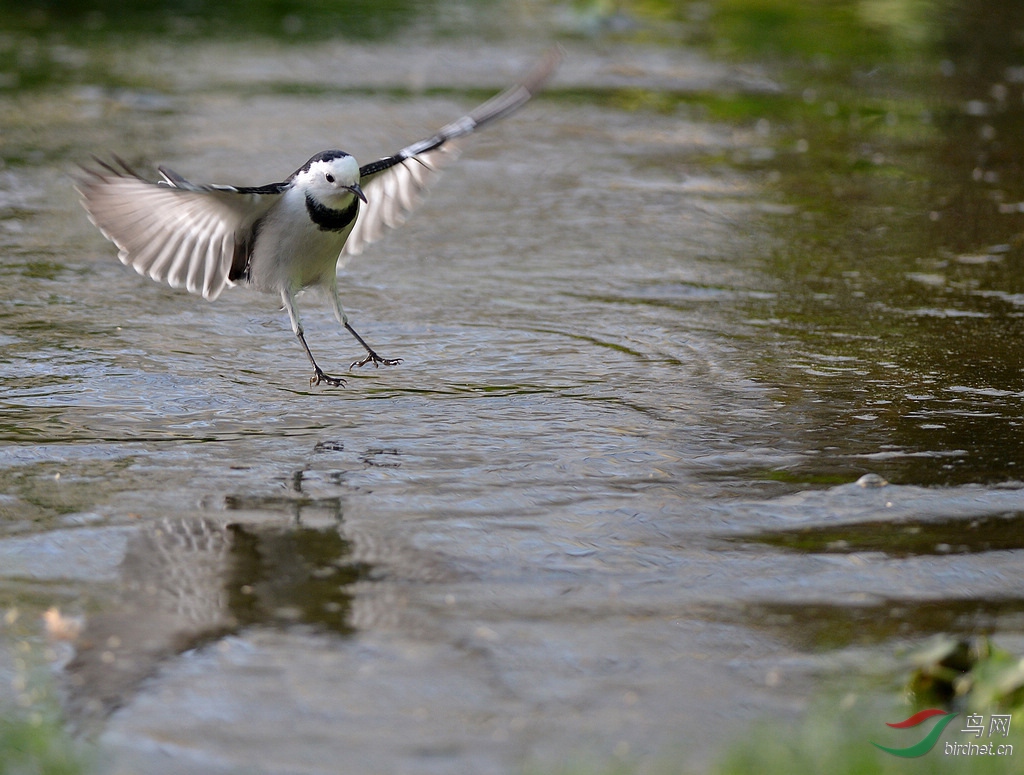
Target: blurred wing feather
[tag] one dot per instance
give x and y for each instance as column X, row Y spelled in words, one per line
column 395, row 185
column 173, row 231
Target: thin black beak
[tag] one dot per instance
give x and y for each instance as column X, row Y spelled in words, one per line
column 355, row 189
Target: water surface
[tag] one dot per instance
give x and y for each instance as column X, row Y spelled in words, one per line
column 610, row 504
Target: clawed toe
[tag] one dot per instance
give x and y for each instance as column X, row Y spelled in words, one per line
column 319, row 376
column 376, row 360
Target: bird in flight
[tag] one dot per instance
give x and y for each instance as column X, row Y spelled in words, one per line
column 279, row 238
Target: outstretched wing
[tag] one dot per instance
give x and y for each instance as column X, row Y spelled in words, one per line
column 394, row 185
column 175, row 232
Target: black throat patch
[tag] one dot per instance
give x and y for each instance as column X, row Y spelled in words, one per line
column 328, row 219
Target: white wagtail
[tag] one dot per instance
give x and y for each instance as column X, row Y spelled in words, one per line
column 282, row 237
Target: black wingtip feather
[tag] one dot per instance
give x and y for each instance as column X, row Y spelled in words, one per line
column 499, row 106
column 510, row 100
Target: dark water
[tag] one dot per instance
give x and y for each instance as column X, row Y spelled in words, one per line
column 654, row 330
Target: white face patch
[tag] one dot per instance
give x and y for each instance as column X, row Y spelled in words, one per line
column 343, row 171
column 328, row 181
column 346, row 170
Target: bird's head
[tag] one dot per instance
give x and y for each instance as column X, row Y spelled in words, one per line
column 331, row 177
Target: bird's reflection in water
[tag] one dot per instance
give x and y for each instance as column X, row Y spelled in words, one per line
column 291, row 576
column 188, row 581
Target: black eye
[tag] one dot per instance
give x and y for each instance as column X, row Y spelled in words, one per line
column 330, row 177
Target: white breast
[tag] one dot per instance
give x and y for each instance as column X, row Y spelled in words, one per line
column 293, row 252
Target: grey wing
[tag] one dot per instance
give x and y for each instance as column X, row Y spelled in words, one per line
column 174, row 232
column 394, row 186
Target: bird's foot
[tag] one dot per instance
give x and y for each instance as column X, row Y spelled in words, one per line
column 319, row 376
column 376, row 360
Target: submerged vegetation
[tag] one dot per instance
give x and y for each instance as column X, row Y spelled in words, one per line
column 34, row 745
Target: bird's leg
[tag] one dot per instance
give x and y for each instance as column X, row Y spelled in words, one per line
column 318, row 373
column 371, row 356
